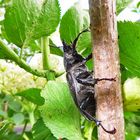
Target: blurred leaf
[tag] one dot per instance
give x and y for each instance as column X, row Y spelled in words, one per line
column 138, row 4
column 54, row 49
column 2, row 54
column 33, row 95
column 132, row 125
column 88, row 129
column 72, row 23
column 4, row 2
column 3, row 113
column 122, row 4
column 31, row 19
column 10, row 112
column 86, row 18
column 59, row 111
column 130, row 136
column 18, row 118
column 12, row 136
column 129, row 43
column 41, row 132
column 131, row 90
column 34, row 46
column 13, row 103
column 4, row 128
column 125, row 74
column 29, row 135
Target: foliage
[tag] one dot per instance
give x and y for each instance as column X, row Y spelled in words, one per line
column 32, row 105
column 121, row 4
column 41, row 18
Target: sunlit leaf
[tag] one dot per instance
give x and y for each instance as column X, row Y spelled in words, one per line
column 59, row 111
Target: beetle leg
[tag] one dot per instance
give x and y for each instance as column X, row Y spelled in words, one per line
column 84, row 104
column 83, row 107
column 86, row 80
column 98, row 123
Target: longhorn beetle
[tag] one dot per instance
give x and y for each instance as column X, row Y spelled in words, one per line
column 81, row 82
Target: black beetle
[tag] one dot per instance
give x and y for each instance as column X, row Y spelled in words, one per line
column 81, row 82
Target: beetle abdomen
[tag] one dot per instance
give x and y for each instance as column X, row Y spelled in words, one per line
column 81, row 90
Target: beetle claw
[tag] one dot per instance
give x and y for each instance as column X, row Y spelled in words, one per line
column 108, row 131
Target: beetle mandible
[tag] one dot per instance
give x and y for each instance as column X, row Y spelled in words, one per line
column 81, row 82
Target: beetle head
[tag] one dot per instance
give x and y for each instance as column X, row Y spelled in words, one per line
column 71, row 57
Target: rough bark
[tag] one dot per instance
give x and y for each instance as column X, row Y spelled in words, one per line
column 106, row 65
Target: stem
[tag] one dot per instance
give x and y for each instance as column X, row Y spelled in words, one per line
column 32, row 118
column 24, row 128
column 46, row 56
column 22, row 48
column 14, row 57
column 45, row 53
column 21, row 52
column 106, row 65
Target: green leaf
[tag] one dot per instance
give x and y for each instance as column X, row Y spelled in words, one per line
column 59, row 111
column 33, row 95
column 41, row 132
column 72, row 23
column 27, row 20
column 129, row 42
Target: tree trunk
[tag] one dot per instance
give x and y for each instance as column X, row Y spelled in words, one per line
column 106, row 65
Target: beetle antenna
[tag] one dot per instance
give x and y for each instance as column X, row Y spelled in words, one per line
column 88, row 57
column 76, row 39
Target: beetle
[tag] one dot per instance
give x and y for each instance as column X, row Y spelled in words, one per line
column 81, row 82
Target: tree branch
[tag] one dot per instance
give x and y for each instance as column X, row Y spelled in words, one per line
column 106, row 62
